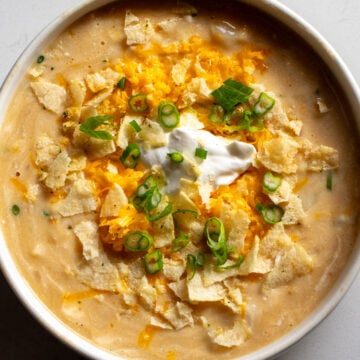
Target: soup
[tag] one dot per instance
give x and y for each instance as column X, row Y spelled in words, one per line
column 180, row 177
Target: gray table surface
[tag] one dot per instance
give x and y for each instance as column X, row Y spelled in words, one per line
column 338, row 337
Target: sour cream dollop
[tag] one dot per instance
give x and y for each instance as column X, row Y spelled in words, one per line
column 224, row 162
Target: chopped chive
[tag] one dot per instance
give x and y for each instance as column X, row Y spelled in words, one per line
column 40, row 59
column 201, row 153
column 135, row 125
column 121, row 83
column 15, row 209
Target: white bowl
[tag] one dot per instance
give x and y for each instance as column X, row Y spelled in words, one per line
column 349, row 88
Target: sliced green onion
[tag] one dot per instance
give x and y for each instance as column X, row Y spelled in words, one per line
column 153, row 262
column 180, row 242
column 154, row 217
column 201, row 153
column 168, row 114
column 148, row 184
column 40, row 59
column 90, row 125
column 239, row 86
column 175, row 157
column 138, row 241
column 153, row 199
column 217, row 114
column 147, row 196
column 131, row 155
column 121, row 83
column 263, row 104
column 271, row 182
column 193, row 262
column 216, row 239
column 138, row 103
column 238, row 262
column 271, row 214
column 329, row 180
column 186, row 211
column 15, row 209
column 135, row 125
column 231, row 93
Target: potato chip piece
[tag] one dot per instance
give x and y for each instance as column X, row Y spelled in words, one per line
column 80, row 199
column 51, row 96
column 152, row 135
column 114, row 201
column 322, row 158
column 87, row 233
column 147, row 293
column 294, row 212
column 105, row 79
column 77, row 92
column 234, row 336
column 126, row 133
column 236, row 222
column 96, row 271
column 179, row 288
column 198, row 292
column 173, row 269
column 57, row 171
column 179, row 70
column 179, row 315
column 137, row 31
column 94, row 148
column 279, row 154
column 289, row 259
column 46, row 151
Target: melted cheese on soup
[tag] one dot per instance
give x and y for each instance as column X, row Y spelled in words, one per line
column 199, row 228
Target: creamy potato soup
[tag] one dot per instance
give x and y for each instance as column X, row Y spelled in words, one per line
column 179, row 181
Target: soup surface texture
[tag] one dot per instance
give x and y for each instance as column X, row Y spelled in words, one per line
column 179, row 177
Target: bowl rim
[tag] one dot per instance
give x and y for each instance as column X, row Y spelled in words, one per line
column 62, row 331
